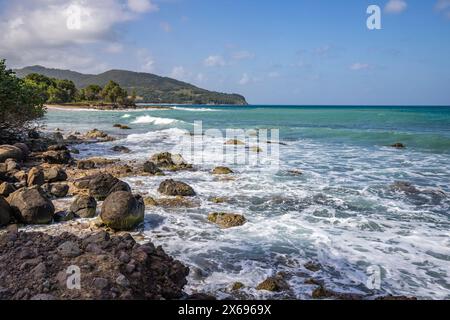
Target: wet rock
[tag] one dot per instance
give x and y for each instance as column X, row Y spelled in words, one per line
column 84, row 206
column 58, row 137
column 122, row 210
column 31, row 206
column 122, row 281
column 321, row 292
column 398, row 145
column 5, row 212
column 96, row 134
column 151, row 167
column 62, row 216
column 6, row 189
column 222, row 170
column 177, row 202
column 10, row 152
column 57, row 157
column 100, row 283
column 102, row 185
column 273, row 284
column 313, row 266
column 57, row 190
column 295, row 172
column 234, row 142
column 176, row 188
column 169, row 161
column 218, row 200
column 121, row 149
column 54, row 174
column 237, row 286
column 35, row 177
column 406, row 187
column 121, row 126
column 57, row 147
column 227, row 220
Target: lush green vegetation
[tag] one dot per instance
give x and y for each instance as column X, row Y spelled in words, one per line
column 54, row 91
column 21, row 102
column 145, row 86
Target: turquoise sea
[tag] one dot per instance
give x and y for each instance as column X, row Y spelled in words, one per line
column 342, row 211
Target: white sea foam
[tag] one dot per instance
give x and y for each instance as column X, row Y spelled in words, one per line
column 127, row 115
column 154, row 120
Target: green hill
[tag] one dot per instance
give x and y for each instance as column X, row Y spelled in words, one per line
column 152, row 88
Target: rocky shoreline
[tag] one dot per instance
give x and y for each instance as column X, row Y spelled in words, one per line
column 57, row 212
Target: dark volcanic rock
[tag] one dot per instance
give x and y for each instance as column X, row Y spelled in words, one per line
column 5, row 212
column 57, row 190
column 122, row 210
column 84, row 206
column 152, row 168
column 31, row 206
column 57, row 157
column 102, row 185
column 121, row 149
column 176, row 188
column 35, row 265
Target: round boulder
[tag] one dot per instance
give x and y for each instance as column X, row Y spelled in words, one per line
column 32, row 206
column 10, row 152
column 122, row 210
column 84, row 206
column 24, row 148
column 102, row 185
column 176, row 188
column 57, row 190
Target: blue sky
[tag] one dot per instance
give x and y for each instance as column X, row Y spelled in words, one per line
column 273, row 52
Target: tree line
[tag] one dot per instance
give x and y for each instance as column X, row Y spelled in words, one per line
column 64, row 91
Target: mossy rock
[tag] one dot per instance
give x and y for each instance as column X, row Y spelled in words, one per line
column 237, row 286
column 273, row 284
column 227, row 220
column 222, row 170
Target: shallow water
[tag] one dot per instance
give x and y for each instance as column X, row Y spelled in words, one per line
column 340, row 212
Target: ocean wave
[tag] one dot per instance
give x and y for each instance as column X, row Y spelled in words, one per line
column 154, row 120
column 126, row 116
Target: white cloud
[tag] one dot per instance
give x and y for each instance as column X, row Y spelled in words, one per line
column 178, row 73
column 245, row 79
column 359, row 66
column 242, row 55
column 114, row 48
column 395, row 6
column 38, row 32
column 141, row 6
column 165, row 26
column 443, row 6
column 146, row 60
column 214, row 61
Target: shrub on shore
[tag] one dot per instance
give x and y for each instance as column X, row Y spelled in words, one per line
column 21, row 102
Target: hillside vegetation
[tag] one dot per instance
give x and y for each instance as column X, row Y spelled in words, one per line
column 146, row 86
